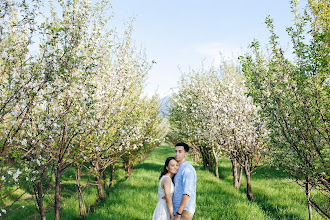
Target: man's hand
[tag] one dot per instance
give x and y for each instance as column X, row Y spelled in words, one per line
column 177, row 217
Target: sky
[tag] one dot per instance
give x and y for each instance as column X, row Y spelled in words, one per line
column 182, row 34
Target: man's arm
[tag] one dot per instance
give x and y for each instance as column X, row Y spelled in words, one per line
column 188, row 180
column 184, row 201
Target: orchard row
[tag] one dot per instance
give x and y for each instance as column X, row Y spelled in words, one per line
column 71, row 96
column 265, row 107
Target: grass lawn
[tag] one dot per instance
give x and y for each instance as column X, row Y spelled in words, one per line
column 276, row 197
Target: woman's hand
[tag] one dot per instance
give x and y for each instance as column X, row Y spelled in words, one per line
column 172, row 217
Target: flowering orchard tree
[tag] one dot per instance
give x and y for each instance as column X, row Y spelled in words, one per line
column 142, row 132
column 211, row 109
column 294, row 97
column 244, row 134
column 186, row 117
column 20, row 83
column 23, row 82
column 67, row 101
column 122, row 73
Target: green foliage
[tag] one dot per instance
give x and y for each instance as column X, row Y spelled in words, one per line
column 295, row 98
column 76, row 98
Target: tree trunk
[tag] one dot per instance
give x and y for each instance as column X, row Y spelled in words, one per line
column 128, row 168
column 99, row 182
column 216, row 169
column 248, row 181
column 321, row 211
column 57, row 192
column 235, row 173
column 39, row 196
column 308, row 196
column 104, row 175
column 100, row 188
column 240, row 176
column 112, row 171
column 216, row 163
column 211, row 164
column 204, row 158
column 82, row 207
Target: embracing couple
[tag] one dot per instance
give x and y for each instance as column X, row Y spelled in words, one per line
column 177, row 187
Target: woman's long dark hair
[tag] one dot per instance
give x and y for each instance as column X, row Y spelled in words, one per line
column 167, row 161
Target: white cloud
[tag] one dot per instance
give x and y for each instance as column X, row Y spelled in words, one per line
column 213, row 51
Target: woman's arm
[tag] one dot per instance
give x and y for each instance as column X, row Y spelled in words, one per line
column 166, row 185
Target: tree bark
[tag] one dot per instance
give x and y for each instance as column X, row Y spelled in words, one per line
column 104, row 175
column 248, row 181
column 58, row 174
column 216, row 165
column 100, row 188
column 82, row 208
column 237, row 182
column 99, row 182
column 130, row 169
column 128, row 165
column 39, row 196
column 204, row 158
column 240, row 176
column 112, row 171
column 308, row 196
column 321, row 211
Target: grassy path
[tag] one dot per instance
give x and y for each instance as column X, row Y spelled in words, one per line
column 136, row 198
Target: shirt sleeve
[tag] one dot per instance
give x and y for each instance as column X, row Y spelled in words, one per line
column 188, row 182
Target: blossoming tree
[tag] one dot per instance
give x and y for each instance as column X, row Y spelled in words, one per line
column 67, row 95
column 211, row 109
column 294, row 98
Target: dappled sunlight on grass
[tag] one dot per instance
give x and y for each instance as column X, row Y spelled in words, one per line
column 276, row 196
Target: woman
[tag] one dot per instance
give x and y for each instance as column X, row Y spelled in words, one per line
column 164, row 207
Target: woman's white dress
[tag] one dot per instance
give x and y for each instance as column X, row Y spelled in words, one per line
column 161, row 211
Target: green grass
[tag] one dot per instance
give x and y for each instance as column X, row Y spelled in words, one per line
column 68, row 199
column 276, row 197
column 136, row 197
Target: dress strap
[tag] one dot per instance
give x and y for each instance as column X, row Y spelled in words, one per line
column 167, row 176
column 164, row 176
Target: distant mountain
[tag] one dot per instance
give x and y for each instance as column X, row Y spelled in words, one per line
column 165, row 103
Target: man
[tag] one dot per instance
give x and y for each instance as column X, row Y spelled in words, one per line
column 184, row 198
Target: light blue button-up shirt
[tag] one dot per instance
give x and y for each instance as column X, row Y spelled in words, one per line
column 185, row 183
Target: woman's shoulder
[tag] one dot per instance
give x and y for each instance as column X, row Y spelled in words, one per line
column 162, row 178
column 165, row 180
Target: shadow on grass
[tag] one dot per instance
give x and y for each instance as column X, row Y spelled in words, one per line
column 263, row 177
column 128, row 200
column 274, row 209
column 135, row 197
column 266, row 172
column 68, row 189
column 149, row 167
column 165, row 150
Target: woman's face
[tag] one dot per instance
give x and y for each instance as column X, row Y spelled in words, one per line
column 173, row 166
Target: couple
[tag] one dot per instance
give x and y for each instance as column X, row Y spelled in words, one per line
column 178, row 200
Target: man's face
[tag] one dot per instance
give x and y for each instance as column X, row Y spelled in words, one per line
column 180, row 154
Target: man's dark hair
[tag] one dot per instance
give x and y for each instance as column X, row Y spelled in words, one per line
column 186, row 147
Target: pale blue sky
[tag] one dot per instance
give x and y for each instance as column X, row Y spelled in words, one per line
column 183, row 32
